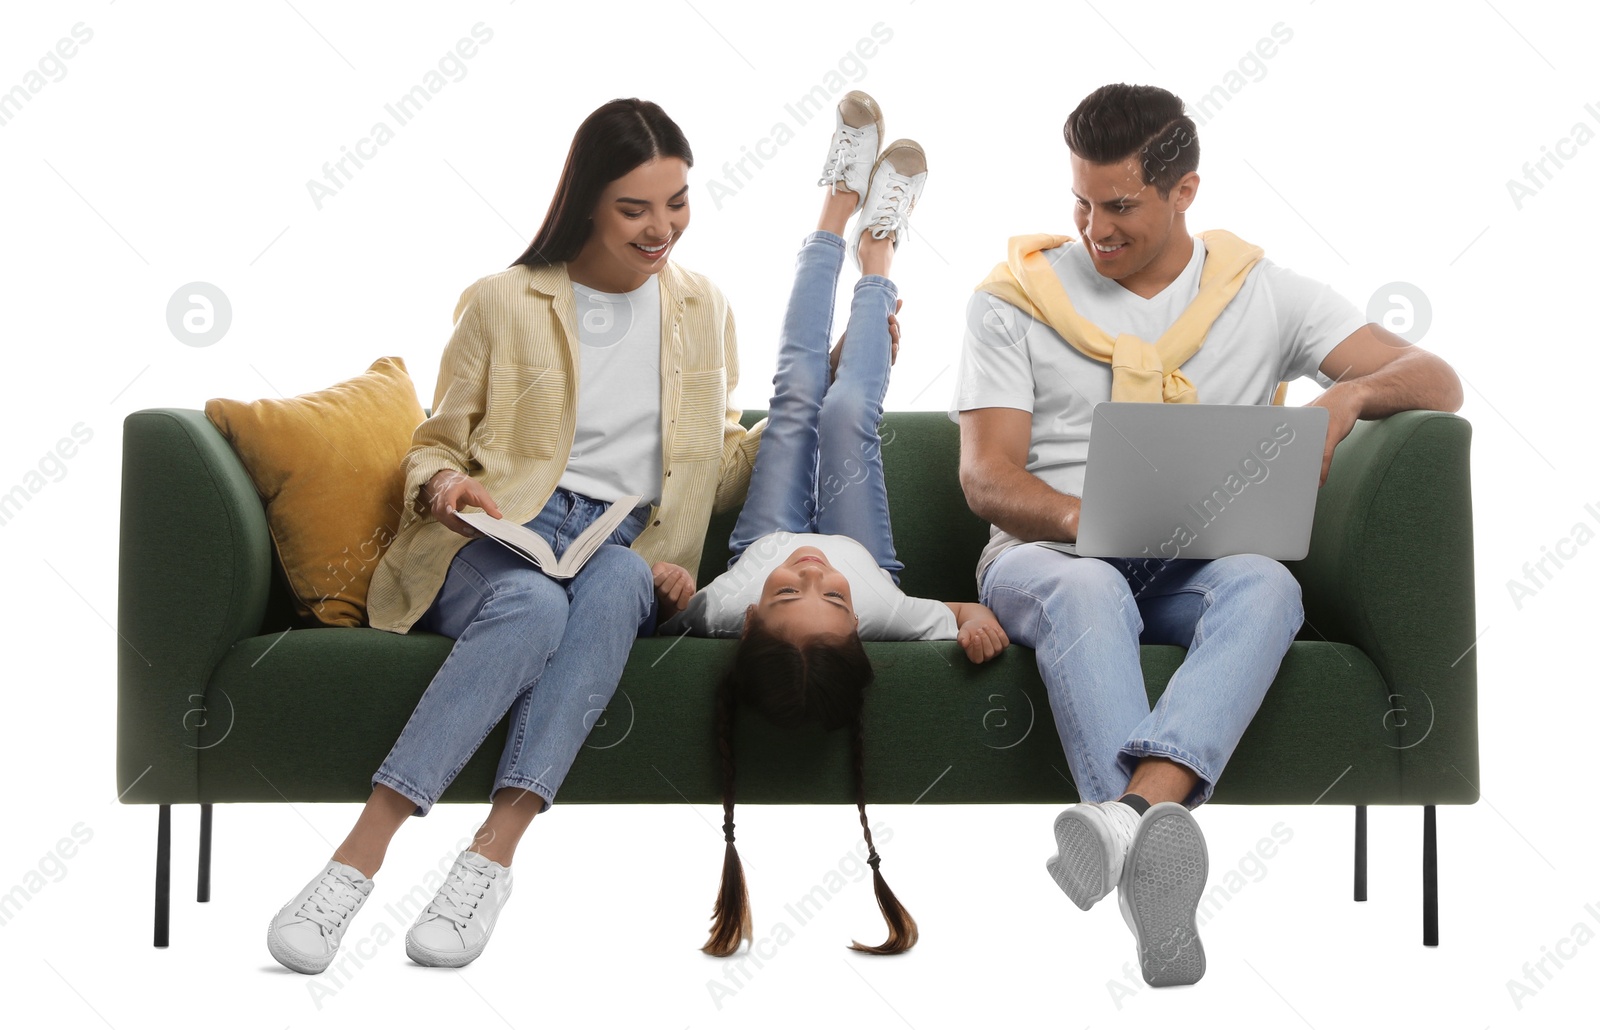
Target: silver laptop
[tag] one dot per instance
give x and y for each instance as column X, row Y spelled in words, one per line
column 1200, row 480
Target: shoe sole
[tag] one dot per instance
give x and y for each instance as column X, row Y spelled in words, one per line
column 440, row 959
column 1081, row 866
column 1163, row 878
column 292, row 959
column 452, row 959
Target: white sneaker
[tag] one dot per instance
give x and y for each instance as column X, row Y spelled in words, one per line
column 1162, row 882
column 857, row 133
column 305, row 933
column 1091, row 844
column 892, row 193
column 455, row 927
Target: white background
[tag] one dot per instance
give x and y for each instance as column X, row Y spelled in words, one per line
column 1374, row 147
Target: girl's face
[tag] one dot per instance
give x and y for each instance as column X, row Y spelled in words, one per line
column 806, row 597
column 636, row 222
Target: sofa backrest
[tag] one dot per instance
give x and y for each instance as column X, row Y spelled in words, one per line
column 936, row 536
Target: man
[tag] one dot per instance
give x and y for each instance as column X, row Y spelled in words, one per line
column 1062, row 325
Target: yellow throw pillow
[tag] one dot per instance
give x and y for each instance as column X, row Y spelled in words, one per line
column 327, row 466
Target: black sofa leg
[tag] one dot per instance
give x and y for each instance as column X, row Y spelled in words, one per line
column 163, row 873
column 1430, row 877
column 203, row 883
column 1361, row 852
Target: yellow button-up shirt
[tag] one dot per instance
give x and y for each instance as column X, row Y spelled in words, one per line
column 505, row 408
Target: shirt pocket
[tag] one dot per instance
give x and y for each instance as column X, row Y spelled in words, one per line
column 523, row 416
column 702, row 406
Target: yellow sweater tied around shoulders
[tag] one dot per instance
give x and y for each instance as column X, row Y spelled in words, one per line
column 1140, row 370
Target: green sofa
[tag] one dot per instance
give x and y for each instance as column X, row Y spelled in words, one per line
column 1375, row 703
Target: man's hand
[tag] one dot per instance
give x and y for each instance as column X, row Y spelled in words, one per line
column 1376, row 374
column 997, row 484
column 674, row 587
column 449, row 491
column 979, row 632
column 1343, row 402
column 894, row 343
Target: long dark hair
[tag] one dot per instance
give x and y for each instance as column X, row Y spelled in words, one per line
column 617, row 138
column 825, row 681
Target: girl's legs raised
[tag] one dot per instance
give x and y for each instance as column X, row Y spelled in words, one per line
column 783, row 491
column 851, row 497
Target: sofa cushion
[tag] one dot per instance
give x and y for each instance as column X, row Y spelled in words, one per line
column 327, row 467
column 938, row 729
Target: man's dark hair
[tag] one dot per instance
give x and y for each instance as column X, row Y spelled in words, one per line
column 1120, row 121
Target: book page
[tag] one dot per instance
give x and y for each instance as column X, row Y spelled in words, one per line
column 520, row 539
column 589, row 541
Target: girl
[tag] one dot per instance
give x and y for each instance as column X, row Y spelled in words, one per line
column 548, row 406
column 814, row 569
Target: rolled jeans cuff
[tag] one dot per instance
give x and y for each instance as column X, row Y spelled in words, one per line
column 1129, row 755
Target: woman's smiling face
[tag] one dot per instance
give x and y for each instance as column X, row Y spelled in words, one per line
column 637, row 220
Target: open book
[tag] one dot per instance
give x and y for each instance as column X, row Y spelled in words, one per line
column 532, row 546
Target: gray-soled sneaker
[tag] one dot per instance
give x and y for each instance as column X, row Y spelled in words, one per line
column 1091, row 843
column 1163, row 879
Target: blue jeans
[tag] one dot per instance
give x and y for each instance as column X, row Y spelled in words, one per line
column 549, row 650
column 820, row 466
column 1086, row 617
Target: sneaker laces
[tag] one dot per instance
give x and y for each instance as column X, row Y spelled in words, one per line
column 331, row 902
column 892, row 207
column 846, row 146
column 458, row 899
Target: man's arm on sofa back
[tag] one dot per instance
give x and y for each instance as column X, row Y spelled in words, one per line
column 194, row 566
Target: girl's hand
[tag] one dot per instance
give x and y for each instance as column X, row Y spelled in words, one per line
column 674, row 587
column 980, row 634
column 449, row 491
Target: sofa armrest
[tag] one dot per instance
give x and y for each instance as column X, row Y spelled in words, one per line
column 194, row 567
column 1390, row 570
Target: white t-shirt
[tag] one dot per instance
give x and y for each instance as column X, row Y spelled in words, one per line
column 616, row 445
column 1278, row 328
column 718, row 609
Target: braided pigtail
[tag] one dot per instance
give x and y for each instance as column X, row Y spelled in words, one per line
column 902, row 928
column 730, row 920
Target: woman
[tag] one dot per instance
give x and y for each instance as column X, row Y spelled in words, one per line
column 591, row 369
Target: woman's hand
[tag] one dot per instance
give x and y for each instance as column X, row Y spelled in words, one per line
column 894, row 343
column 674, row 587
column 979, row 632
column 449, row 491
